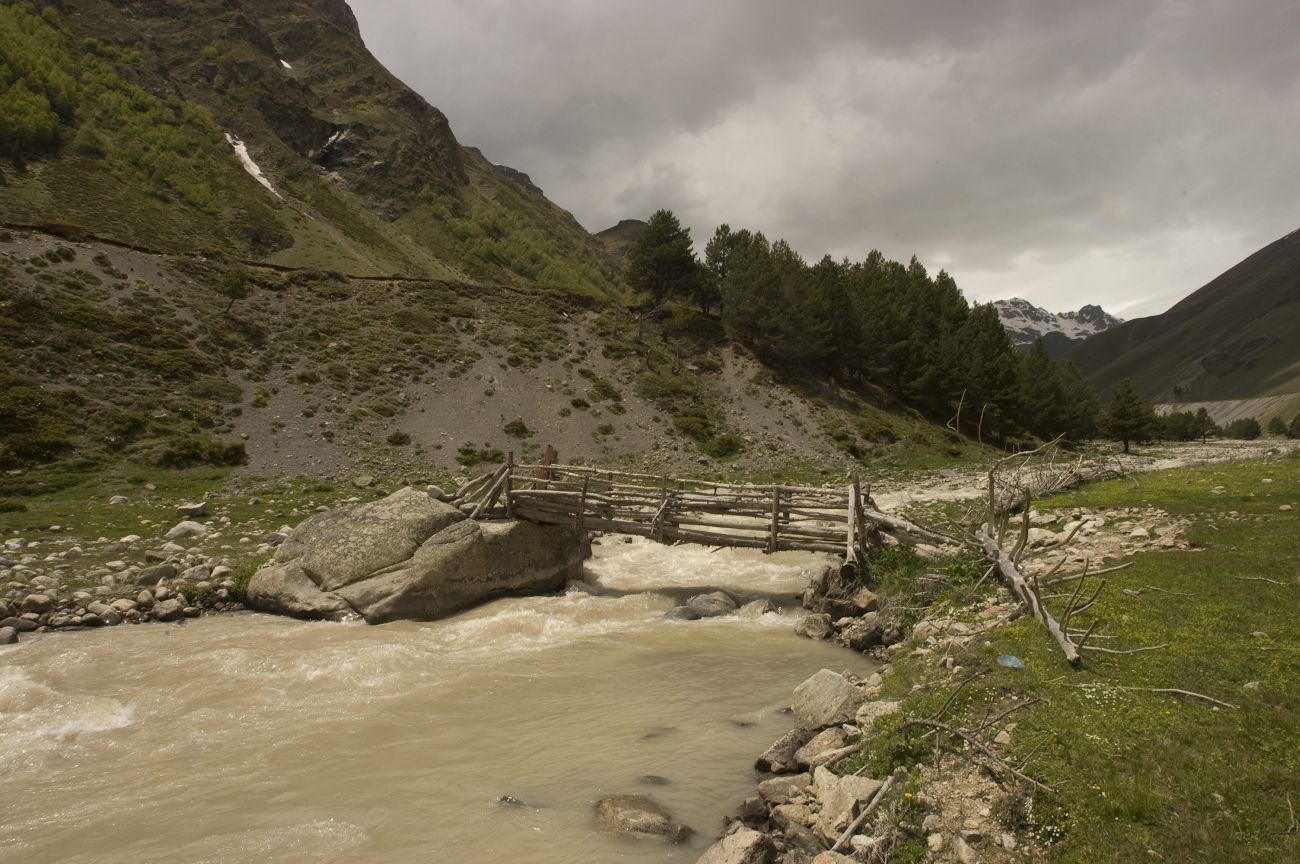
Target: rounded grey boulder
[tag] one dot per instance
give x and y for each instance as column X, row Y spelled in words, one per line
column 411, row 557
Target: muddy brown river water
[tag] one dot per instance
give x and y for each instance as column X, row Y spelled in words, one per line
column 259, row 739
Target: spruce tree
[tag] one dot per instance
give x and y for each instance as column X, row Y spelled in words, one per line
column 1129, row 417
column 1293, row 431
column 1042, row 395
column 1204, row 424
column 661, row 263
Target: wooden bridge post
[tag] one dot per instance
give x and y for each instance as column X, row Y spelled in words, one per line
column 776, row 519
column 510, row 471
column 852, row 544
column 582, row 502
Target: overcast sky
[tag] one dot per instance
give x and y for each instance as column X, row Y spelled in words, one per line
column 1120, row 152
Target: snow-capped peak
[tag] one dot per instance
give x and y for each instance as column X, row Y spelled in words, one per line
column 1025, row 322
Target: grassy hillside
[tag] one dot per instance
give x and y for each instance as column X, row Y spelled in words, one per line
column 231, row 236
column 365, row 177
column 111, row 353
column 1232, row 339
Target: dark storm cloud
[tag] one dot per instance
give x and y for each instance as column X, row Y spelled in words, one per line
column 1121, row 152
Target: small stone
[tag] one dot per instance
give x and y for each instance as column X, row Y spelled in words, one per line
column 753, row 811
column 119, row 499
column 1003, row 738
column 965, row 854
column 1009, row 842
column 192, row 510
column 867, row 714
column 186, row 529
column 930, row 823
column 168, row 610
column 8, row 635
column 1285, row 508
column 1139, row 533
column 363, row 481
column 935, row 842
column 38, row 603
column 144, row 598
column 1250, row 685
column 22, row 625
column 153, row 575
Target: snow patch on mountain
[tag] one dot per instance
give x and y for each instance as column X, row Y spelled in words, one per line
column 241, row 150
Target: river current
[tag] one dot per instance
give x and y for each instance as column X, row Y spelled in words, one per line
column 252, row 738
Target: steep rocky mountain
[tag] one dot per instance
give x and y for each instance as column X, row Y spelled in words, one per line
column 231, row 236
column 267, row 130
column 1061, row 332
column 1235, row 338
column 620, row 239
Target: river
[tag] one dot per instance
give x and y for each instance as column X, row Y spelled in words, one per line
column 251, row 738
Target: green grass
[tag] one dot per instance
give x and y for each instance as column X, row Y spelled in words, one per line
column 1139, row 771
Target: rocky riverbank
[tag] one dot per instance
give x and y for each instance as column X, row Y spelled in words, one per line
column 56, row 582
column 813, row 804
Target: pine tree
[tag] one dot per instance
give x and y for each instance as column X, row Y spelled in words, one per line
column 1081, row 407
column 988, row 376
column 1293, row 431
column 661, row 263
column 1042, row 395
column 1129, row 417
column 1204, row 424
column 1277, row 426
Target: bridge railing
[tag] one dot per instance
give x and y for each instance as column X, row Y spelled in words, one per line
column 771, row 518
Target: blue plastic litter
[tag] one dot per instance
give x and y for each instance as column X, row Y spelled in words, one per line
column 1010, row 661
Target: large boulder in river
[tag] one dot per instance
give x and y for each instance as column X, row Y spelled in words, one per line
column 639, row 816
column 410, row 556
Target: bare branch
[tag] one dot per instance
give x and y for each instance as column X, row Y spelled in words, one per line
column 871, row 805
column 1101, row 650
column 1138, row 592
column 1174, row 690
column 981, row 747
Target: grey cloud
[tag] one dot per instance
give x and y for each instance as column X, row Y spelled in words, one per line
column 987, row 135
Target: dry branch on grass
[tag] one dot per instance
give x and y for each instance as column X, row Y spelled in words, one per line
column 969, row 737
column 1189, row 693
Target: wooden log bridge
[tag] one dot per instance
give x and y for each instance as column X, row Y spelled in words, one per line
column 837, row 520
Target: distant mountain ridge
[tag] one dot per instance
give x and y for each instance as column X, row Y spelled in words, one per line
column 1061, row 332
column 1235, row 338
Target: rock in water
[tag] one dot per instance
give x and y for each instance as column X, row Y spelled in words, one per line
column 814, row 625
column 639, row 816
column 744, row 846
column 826, row 699
column 8, row 635
column 780, row 758
column 411, row 557
column 712, row 605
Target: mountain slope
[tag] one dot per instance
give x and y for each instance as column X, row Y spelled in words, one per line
column 1235, row 338
column 361, row 174
column 232, row 236
column 1061, row 332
